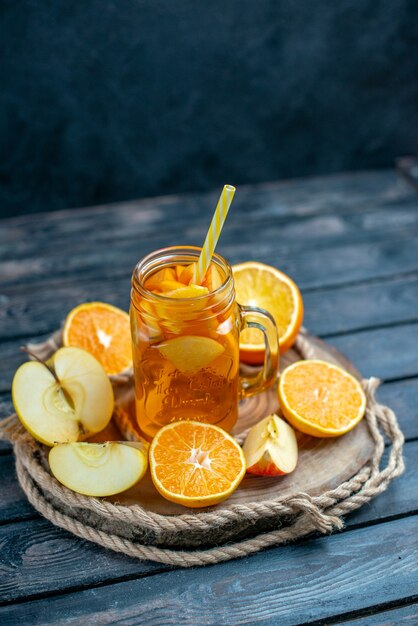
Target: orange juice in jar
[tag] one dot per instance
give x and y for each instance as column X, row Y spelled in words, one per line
column 185, row 341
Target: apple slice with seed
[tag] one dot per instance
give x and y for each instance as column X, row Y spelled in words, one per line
column 271, row 448
column 99, row 469
column 67, row 399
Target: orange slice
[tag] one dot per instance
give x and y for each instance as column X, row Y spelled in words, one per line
column 154, row 281
column 187, row 291
column 186, row 273
column 104, row 331
column 321, row 399
column 170, row 285
column 266, row 287
column 195, row 464
column 183, row 274
column 189, row 353
column 212, row 279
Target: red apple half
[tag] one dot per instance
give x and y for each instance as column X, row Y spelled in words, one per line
column 271, row 448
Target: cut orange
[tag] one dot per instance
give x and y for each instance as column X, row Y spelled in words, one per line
column 104, row 331
column 174, row 278
column 187, row 291
column 186, row 273
column 261, row 285
column 321, row 399
column 195, row 464
column 212, row 279
column 153, row 282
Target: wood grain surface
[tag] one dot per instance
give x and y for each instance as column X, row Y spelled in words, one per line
column 405, row 616
column 371, row 347
column 328, row 311
column 36, row 557
column 351, row 242
column 300, row 583
column 323, row 464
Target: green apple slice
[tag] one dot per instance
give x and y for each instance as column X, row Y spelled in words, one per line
column 87, row 384
column 190, row 353
column 73, row 400
column 271, row 448
column 98, row 469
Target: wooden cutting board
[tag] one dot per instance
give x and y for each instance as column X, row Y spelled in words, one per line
column 323, row 463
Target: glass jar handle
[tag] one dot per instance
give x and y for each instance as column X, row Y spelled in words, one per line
column 253, row 317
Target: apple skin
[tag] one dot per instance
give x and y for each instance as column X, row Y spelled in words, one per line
column 271, row 448
column 99, row 469
column 265, row 467
column 77, row 406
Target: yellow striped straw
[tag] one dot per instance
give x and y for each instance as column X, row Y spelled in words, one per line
column 214, row 231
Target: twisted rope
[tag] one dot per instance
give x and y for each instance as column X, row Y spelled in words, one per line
column 321, row 513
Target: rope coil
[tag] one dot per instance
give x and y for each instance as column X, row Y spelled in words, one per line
column 294, row 516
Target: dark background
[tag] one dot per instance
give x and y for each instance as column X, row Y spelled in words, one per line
column 106, row 100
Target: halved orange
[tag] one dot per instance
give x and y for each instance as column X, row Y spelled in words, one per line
column 266, row 287
column 104, row 331
column 195, row 464
column 321, row 399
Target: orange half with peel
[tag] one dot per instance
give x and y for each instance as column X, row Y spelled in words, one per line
column 261, row 285
column 321, row 399
column 104, row 331
column 195, row 464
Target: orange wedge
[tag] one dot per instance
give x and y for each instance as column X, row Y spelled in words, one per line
column 212, row 279
column 266, row 287
column 187, row 291
column 154, row 282
column 195, row 464
column 170, row 285
column 104, row 331
column 186, row 273
column 189, row 354
column 171, row 278
column 321, row 399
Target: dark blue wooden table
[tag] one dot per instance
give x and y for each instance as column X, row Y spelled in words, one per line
column 351, row 243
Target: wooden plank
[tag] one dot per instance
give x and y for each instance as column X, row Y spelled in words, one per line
column 6, row 406
column 394, row 501
column 341, row 264
column 326, row 228
column 404, row 616
column 351, row 308
column 327, row 311
column 371, row 351
column 309, row 262
column 305, row 582
column 399, row 499
column 23, row 314
column 402, row 397
column 13, row 502
column 385, row 352
column 78, row 561
column 6, row 409
column 37, row 557
column 11, row 358
column 338, row 193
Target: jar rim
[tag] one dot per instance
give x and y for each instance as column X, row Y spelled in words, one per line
column 193, row 252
